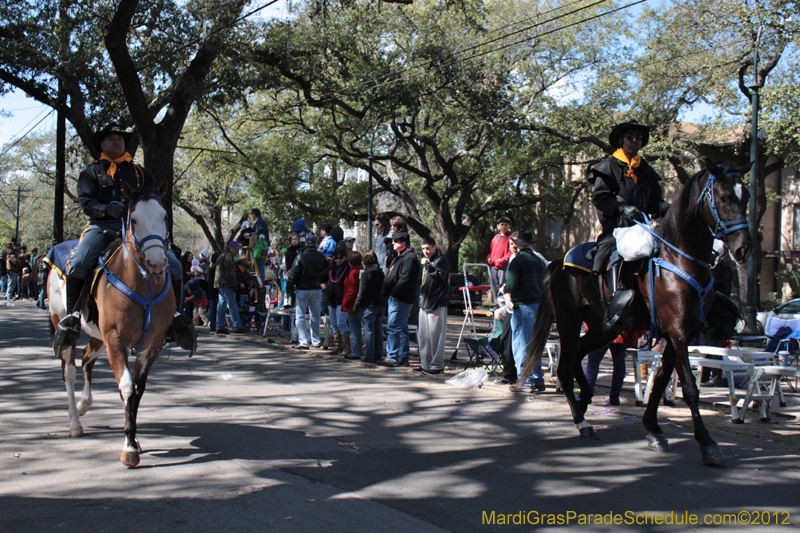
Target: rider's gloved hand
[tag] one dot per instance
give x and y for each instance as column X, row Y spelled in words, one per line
column 116, row 210
column 629, row 213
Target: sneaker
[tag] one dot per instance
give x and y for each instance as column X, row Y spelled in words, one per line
column 433, row 372
column 222, row 332
column 388, row 362
column 241, row 330
column 301, row 347
column 417, row 369
column 534, row 388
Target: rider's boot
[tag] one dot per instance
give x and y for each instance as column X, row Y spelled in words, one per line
column 69, row 328
column 617, row 312
column 182, row 330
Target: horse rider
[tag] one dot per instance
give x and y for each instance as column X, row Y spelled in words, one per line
column 101, row 198
column 625, row 186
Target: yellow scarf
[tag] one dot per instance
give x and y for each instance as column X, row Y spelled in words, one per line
column 112, row 168
column 633, row 163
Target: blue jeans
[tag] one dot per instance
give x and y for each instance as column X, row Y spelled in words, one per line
column 227, row 298
column 522, row 320
column 42, row 295
column 372, row 320
column 262, row 268
column 3, row 282
column 13, row 285
column 354, row 322
column 338, row 319
column 311, row 300
column 397, row 331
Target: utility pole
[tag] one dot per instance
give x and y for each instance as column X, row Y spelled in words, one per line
column 752, row 327
column 61, row 169
column 16, row 223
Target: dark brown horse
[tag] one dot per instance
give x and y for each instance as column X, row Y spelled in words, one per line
column 713, row 202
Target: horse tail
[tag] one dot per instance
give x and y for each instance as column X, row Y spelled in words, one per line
column 541, row 327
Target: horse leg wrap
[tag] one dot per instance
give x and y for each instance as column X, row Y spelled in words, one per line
column 585, row 429
column 712, row 455
column 658, row 443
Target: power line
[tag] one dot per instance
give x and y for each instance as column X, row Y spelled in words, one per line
column 26, row 133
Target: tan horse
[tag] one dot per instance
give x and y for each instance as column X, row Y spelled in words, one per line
column 120, row 326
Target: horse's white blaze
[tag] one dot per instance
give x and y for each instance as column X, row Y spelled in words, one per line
column 737, row 189
column 126, row 386
column 149, row 217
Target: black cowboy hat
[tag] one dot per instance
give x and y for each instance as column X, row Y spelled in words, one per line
column 111, row 129
column 524, row 238
column 620, row 129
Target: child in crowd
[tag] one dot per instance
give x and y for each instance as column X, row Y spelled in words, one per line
column 333, row 287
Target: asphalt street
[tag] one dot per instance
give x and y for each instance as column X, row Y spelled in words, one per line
column 297, row 441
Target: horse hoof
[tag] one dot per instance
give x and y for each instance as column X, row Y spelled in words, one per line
column 712, row 455
column 76, row 432
column 129, row 459
column 587, row 433
column 83, row 407
column 765, row 420
column 658, row 443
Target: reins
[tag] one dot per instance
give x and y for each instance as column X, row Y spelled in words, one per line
column 150, row 302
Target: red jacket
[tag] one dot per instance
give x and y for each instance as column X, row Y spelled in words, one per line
column 351, row 289
column 499, row 252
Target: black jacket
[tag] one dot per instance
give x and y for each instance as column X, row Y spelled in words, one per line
column 307, row 270
column 96, row 189
column 435, row 283
column 370, row 288
column 334, row 292
column 613, row 191
column 401, row 282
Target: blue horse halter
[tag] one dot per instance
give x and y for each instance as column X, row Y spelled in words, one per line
column 150, row 302
column 722, row 228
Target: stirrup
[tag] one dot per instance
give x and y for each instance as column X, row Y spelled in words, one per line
column 67, row 332
column 617, row 315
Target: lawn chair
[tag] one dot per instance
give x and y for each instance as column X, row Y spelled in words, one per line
column 783, row 338
column 484, row 351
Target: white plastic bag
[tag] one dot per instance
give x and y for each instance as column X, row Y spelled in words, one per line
column 468, row 379
column 634, row 243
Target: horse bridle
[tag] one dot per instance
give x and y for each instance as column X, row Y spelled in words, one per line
column 723, row 227
column 138, row 245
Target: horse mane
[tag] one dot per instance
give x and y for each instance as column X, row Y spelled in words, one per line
column 684, row 210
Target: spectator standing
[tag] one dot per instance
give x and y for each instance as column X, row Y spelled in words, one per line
column 225, row 283
column 524, row 285
column 327, row 245
column 13, row 270
column 186, row 266
column 299, row 227
column 305, row 276
column 199, row 300
column 213, row 293
column 352, row 349
column 333, row 285
column 398, row 225
column 3, row 272
column 372, row 304
column 42, row 269
column 204, row 262
column 383, row 241
column 33, row 263
column 499, row 255
column 432, row 330
column 400, row 287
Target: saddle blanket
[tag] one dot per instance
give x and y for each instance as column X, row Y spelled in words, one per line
column 59, row 255
column 576, row 257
